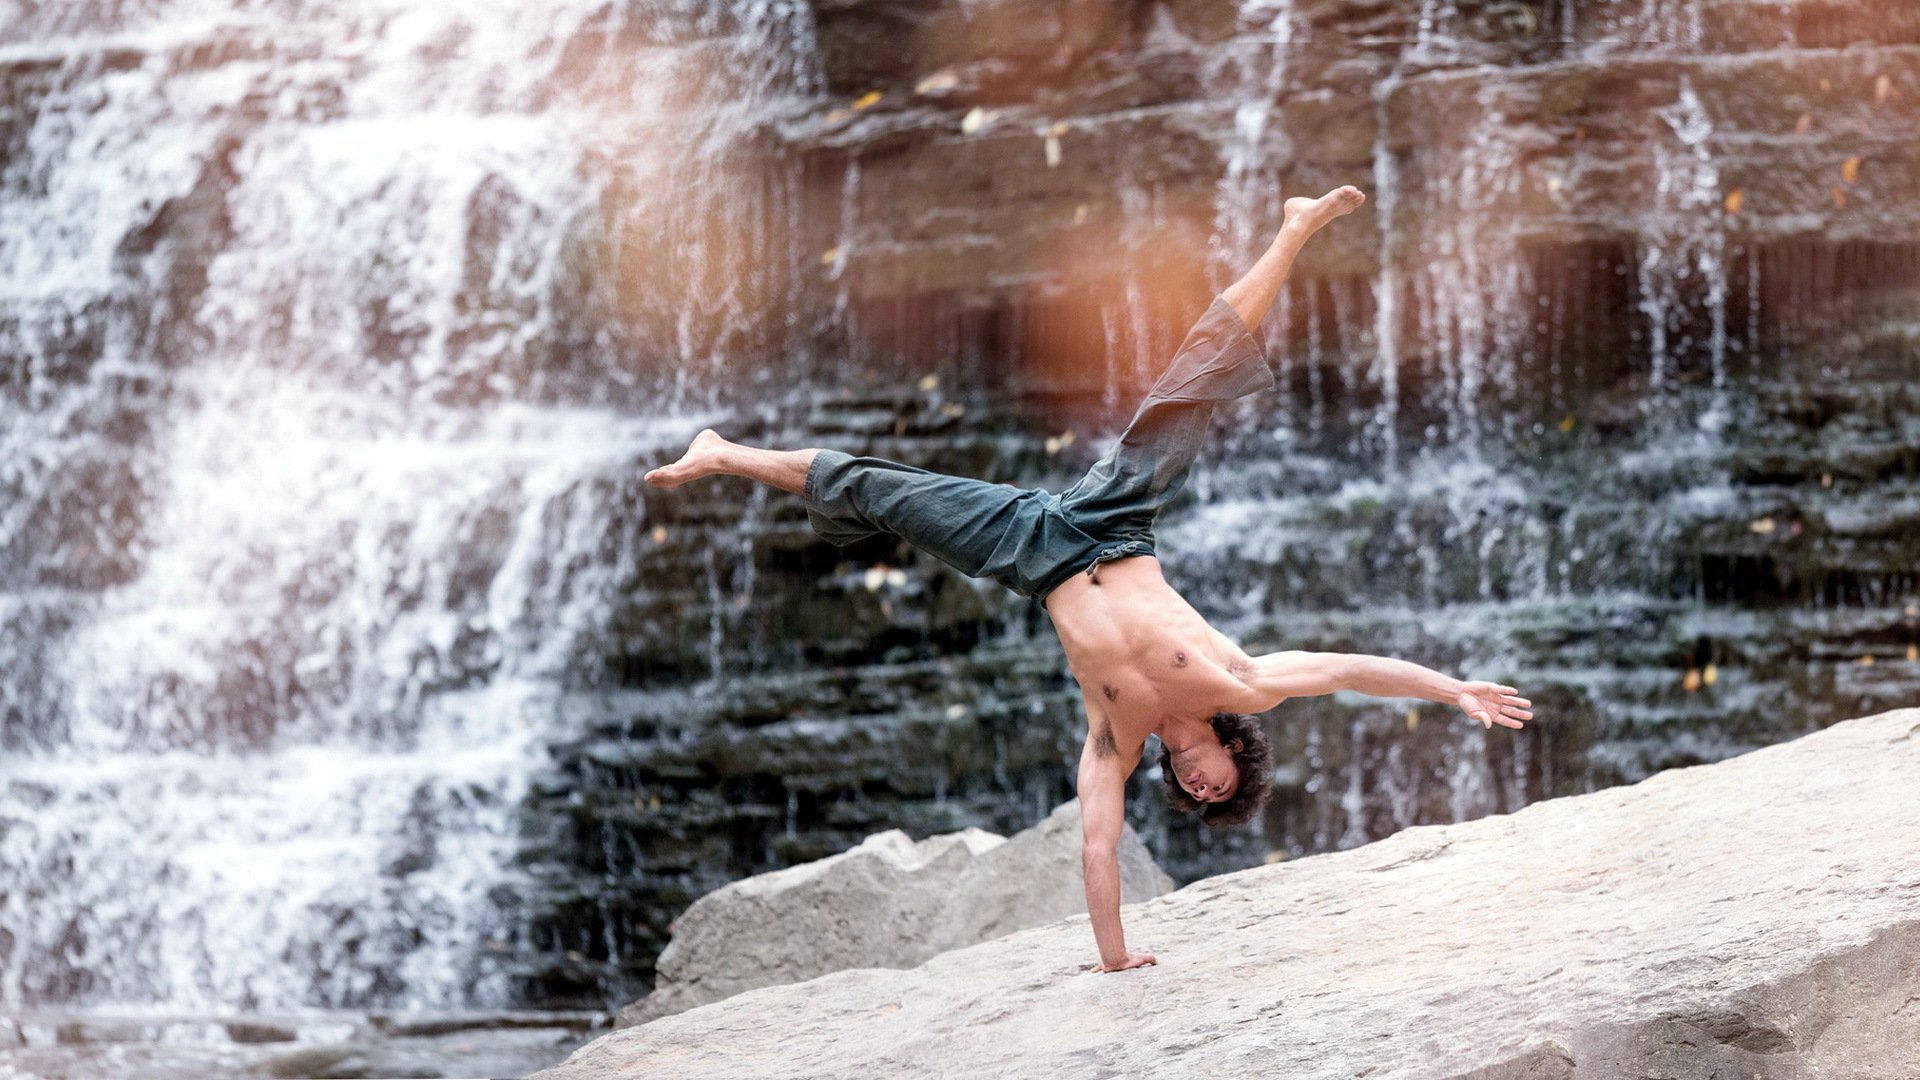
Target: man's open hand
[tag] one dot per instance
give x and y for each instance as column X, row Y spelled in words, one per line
column 1133, row 960
column 1491, row 703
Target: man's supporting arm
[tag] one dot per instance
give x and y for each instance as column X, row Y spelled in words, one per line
column 1277, row 676
column 1103, row 790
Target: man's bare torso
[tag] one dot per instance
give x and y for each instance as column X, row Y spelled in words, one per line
column 1142, row 655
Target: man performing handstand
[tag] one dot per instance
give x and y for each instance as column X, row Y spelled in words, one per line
column 1146, row 661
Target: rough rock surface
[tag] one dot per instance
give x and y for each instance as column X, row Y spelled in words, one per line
column 888, row 903
column 1759, row 917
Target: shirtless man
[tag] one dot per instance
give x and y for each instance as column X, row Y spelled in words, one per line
column 1146, row 661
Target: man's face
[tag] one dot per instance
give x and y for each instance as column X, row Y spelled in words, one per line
column 1207, row 772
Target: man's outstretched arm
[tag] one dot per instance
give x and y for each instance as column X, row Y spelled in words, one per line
column 1277, row 676
column 1103, row 802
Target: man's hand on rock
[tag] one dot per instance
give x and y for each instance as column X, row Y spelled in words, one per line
column 1491, row 703
column 1133, row 960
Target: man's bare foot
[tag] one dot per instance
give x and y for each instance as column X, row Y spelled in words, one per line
column 1309, row 215
column 701, row 459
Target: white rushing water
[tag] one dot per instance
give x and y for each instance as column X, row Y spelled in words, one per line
column 273, row 759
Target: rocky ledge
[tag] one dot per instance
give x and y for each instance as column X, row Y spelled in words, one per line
column 888, row 903
column 1759, row 917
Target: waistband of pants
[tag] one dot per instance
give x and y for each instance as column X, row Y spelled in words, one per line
column 1125, row 549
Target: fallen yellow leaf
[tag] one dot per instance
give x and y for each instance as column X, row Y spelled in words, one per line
column 1883, row 88
column 1913, row 653
column 868, row 100
column 1692, row 681
column 1839, row 196
column 1867, row 660
column 1735, row 200
column 1080, row 213
column 837, row 115
column 930, row 381
column 1057, row 443
column 1805, row 125
column 1826, row 85
column 1710, row 674
column 653, row 803
column 1276, row 857
column 1762, row 526
column 1850, row 170
column 1567, row 422
column 659, row 534
column 830, row 256
column 1413, row 719
column 953, row 410
column 1053, row 151
column 975, row 119
column 1826, row 480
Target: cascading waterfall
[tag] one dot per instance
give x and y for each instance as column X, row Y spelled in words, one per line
column 1251, row 75
column 320, row 322
column 1683, row 266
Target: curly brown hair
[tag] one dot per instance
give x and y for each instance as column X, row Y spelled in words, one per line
column 1254, row 761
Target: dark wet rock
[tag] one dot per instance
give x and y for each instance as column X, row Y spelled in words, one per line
column 310, row 1045
column 246, row 1031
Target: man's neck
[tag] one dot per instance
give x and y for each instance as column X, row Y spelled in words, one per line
column 1180, row 735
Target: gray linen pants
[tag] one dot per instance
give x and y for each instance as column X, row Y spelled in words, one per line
column 1029, row 540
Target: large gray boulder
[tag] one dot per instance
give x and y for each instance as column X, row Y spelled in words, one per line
column 1755, row 918
column 888, row 903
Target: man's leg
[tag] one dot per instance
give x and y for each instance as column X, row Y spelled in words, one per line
column 711, row 455
column 1253, row 294
column 983, row 530
column 1220, row 360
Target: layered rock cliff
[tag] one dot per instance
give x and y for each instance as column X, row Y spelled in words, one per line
column 1755, row 918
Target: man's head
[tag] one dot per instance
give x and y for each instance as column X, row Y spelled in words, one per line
column 1227, row 782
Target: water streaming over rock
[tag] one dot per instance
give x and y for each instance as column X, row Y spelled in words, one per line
column 321, row 410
